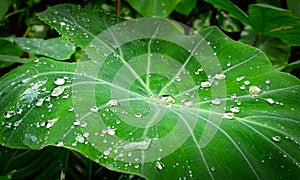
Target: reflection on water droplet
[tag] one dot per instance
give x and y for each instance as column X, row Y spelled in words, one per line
column 216, row 101
column 267, row 81
column 138, row 115
column 188, row 103
column 220, row 76
column 228, row 115
column 58, row 91
column 240, row 78
column 94, row 109
column 79, row 138
column 254, row 90
column 60, row 144
column 112, row 102
column 276, row 138
column 167, row 100
column 106, row 152
column 247, row 82
column 213, row 169
column 159, row 165
column 39, row 102
column 205, row 84
column 51, row 122
column 59, row 81
column 235, row 109
column 270, row 100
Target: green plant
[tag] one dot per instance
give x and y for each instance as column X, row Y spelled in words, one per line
column 148, row 97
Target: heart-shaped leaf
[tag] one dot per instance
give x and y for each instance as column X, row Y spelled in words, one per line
column 150, row 100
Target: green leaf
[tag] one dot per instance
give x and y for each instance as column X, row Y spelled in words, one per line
column 162, row 8
column 227, row 23
column 275, row 22
column 292, row 66
column 5, row 4
column 294, row 6
column 26, row 164
column 7, row 47
column 56, row 48
column 186, row 6
column 152, row 101
column 277, row 51
column 232, row 9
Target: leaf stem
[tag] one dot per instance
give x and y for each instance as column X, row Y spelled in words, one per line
column 118, row 7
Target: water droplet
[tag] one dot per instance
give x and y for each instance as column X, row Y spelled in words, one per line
column 62, row 23
column 51, row 122
column 79, row 138
column 235, row 109
column 59, row 81
column 112, row 102
column 213, row 169
column 276, row 138
column 111, row 131
column 17, row 123
column 86, row 134
column 267, row 81
column 106, row 152
column 94, row 109
column 188, row 103
column 205, row 84
column 270, row 100
column 138, row 115
column 220, row 76
column 168, row 100
column 240, row 78
column 60, row 144
column 254, row 90
column 159, row 165
column 216, row 102
column 39, row 102
column 247, row 82
column 228, row 115
column 58, row 91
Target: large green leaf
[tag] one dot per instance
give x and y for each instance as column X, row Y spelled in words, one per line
column 186, row 6
column 149, row 100
column 155, row 8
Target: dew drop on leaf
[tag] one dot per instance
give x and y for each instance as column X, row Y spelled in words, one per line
column 205, row 84
column 235, row 109
column 59, row 81
column 276, row 138
column 220, row 76
column 167, row 100
column 106, row 152
column 216, row 102
column 228, row 115
column 188, row 103
column 159, row 165
column 240, row 78
column 112, row 102
column 254, row 90
column 79, row 138
column 58, row 91
column 270, row 100
column 94, row 109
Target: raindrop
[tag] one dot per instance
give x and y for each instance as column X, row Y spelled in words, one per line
column 71, row 108
column 86, row 134
column 276, row 138
column 168, row 100
column 60, row 144
column 17, row 123
column 51, row 122
column 138, row 115
column 240, row 78
column 220, row 76
column 270, row 100
column 58, row 91
column 243, row 87
column 59, row 81
column 39, row 102
column 62, row 23
column 254, row 90
column 247, row 82
column 111, row 131
column 112, row 102
column 106, row 152
column 79, row 138
column 188, row 103
column 216, row 102
column 228, row 115
column 213, row 169
column 235, row 109
column 205, row 84
column 94, row 109
column 159, row 165
column 267, row 81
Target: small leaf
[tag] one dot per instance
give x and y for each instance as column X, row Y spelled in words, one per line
column 232, row 9
column 186, row 6
column 275, row 22
column 154, row 8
